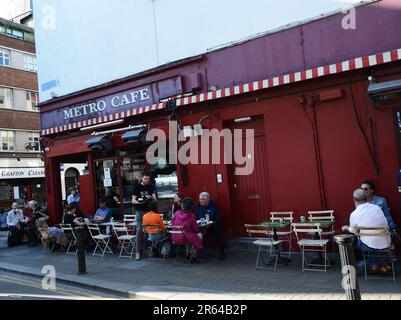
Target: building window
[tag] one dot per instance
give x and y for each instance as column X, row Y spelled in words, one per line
column 34, row 144
column 5, row 57
column 30, row 63
column 7, row 141
column 6, row 98
column 31, row 101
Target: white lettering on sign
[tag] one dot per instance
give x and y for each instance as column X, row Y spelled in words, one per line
column 117, row 101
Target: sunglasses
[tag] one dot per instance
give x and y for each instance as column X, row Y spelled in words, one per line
column 365, row 189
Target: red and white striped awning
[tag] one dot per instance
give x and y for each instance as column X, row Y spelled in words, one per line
column 349, row 65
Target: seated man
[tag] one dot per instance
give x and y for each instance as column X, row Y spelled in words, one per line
column 18, row 227
column 369, row 188
column 368, row 215
column 102, row 214
column 208, row 210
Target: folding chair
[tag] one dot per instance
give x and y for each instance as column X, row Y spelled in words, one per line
column 47, row 243
column 151, row 229
column 68, row 231
column 266, row 244
column 130, row 221
column 125, row 240
column 324, row 215
column 387, row 253
column 101, row 241
column 311, row 245
column 180, row 248
column 285, row 235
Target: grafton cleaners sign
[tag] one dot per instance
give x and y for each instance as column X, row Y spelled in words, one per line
column 118, row 101
column 21, row 173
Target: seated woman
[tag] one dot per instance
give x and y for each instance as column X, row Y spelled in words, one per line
column 48, row 233
column 187, row 219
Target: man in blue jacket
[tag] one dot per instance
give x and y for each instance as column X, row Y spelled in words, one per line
column 208, row 210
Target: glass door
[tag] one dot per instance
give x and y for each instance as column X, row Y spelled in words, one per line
column 108, row 186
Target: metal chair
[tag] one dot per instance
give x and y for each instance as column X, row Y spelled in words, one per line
column 125, row 240
column 68, row 231
column 152, row 229
column 101, row 240
column 387, row 253
column 179, row 230
column 311, row 245
column 324, row 215
column 130, row 221
column 266, row 244
column 286, row 235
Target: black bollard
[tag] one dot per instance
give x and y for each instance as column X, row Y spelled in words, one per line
column 80, row 234
column 350, row 279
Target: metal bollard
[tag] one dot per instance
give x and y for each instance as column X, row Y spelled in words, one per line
column 350, row 280
column 81, row 252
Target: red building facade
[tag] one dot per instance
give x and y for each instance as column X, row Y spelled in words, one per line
column 303, row 90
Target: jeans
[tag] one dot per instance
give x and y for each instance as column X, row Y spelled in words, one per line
column 157, row 237
column 139, row 230
column 373, row 259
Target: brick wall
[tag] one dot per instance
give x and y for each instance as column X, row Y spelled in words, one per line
column 17, row 44
column 11, row 119
column 10, row 77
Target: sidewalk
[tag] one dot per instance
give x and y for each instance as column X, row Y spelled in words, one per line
column 235, row 278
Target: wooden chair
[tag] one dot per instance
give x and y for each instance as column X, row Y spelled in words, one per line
column 266, row 244
column 285, row 235
column 387, row 253
column 311, row 245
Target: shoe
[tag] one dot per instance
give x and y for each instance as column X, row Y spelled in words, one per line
column 385, row 269
column 195, row 260
column 373, row 269
column 138, row 256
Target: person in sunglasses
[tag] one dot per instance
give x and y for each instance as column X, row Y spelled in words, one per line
column 369, row 187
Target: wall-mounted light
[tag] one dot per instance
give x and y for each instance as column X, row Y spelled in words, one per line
column 241, row 120
column 213, row 88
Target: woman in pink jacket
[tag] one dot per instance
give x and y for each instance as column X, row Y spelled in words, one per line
column 186, row 218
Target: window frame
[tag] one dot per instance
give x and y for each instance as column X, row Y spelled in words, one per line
column 32, row 137
column 30, row 66
column 11, row 98
column 8, row 140
column 29, row 102
column 3, row 59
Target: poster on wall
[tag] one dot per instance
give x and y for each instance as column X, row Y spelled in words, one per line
column 16, row 193
column 107, row 183
column 107, row 174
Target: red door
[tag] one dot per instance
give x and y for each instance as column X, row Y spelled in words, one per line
column 249, row 193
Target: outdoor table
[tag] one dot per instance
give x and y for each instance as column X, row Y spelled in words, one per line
column 276, row 225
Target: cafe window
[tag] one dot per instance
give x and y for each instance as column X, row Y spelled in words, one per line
column 5, row 57
column 6, row 98
column 7, row 141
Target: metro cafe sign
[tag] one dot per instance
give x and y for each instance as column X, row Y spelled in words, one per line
column 132, row 98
